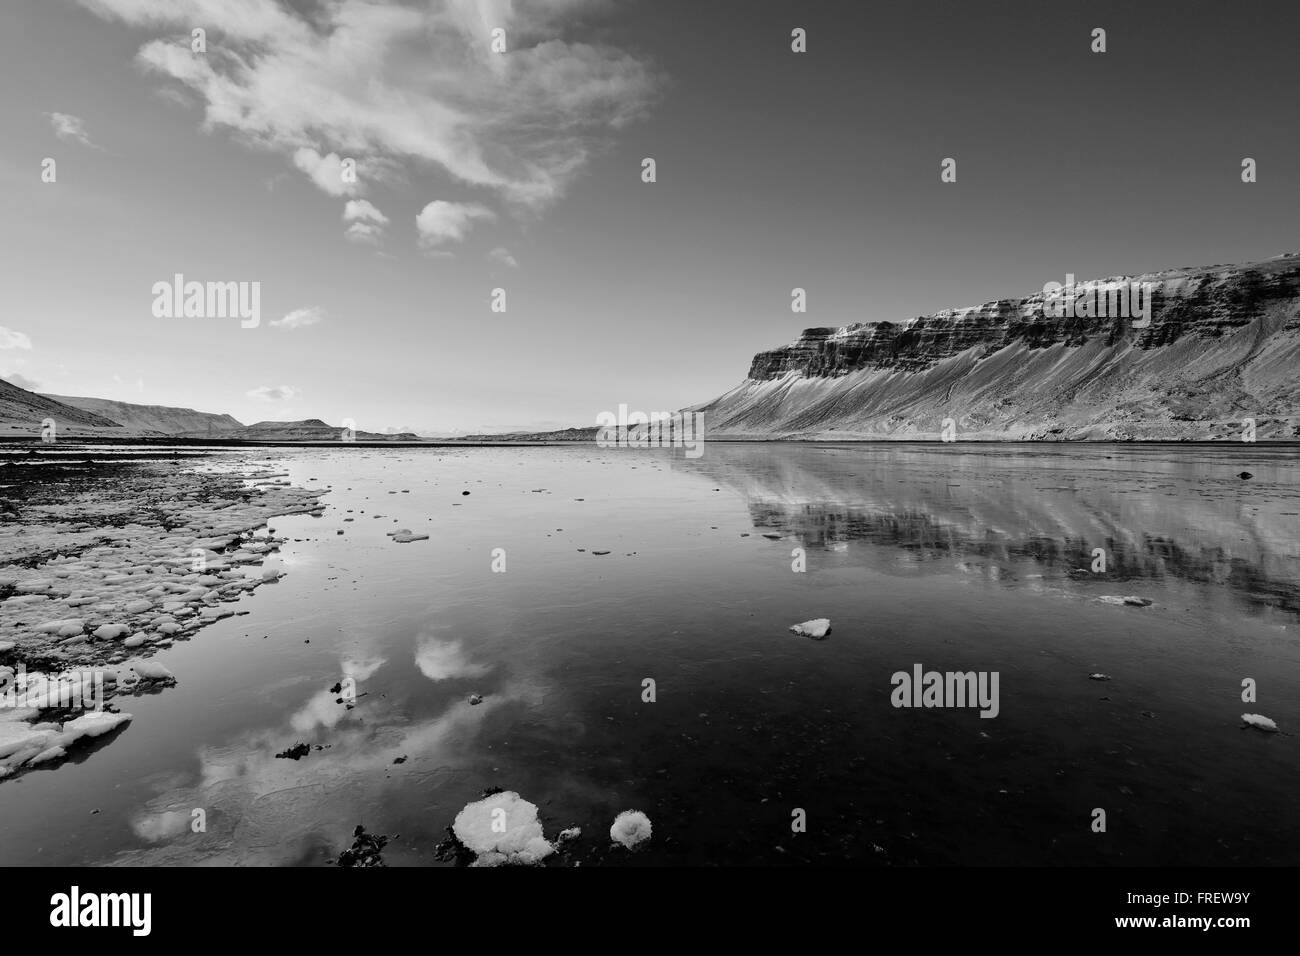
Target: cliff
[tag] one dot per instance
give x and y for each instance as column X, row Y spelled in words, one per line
column 1222, row 343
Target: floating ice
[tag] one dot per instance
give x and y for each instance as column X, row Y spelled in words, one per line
column 502, row 828
column 1132, row 600
column 152, row 671
column 817, row 628
column 405, row 536
column 630, row 828
column 1260, row 722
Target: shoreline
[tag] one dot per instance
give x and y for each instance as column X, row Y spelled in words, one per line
column 103, row 563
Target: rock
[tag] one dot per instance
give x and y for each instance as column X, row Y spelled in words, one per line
column 366, row 849
column 817, row 628
column 405, row 537
column 475, row 699
column 1131, row 600
column 1098, row 677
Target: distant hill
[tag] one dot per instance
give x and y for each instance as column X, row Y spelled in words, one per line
column 313, row 429
column 22, row 412
column 158, row 419
column 564, row 434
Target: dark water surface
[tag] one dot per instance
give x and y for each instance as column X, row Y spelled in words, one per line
column 957, row 558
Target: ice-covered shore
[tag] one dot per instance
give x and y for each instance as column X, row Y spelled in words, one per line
column 102, row 563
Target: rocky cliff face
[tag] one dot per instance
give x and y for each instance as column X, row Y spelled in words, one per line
column 1221, row 344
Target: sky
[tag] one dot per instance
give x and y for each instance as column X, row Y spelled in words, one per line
column 521, row 170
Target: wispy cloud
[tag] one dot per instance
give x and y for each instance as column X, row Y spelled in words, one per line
column 325, row 171
column 365, row 222
column 300, row 318
column 441, row 222
column 9, row 339
column 502, row 255
column 22, row 381
column 273, row 393
column 70, row 129
column 405, row 83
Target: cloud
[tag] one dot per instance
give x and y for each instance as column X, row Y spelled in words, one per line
column 70, row 129
column 22, row 381
column 366, row 223
column 445, row 660
column 9, row 339
column 300, row 318
column 325, row 171
column 502, row 255
column 442, row 221
column 273, row 393
column 405, row 83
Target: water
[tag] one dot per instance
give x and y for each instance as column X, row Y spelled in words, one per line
column 953, row 557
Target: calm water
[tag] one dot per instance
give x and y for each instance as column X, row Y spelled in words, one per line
column 957, row 558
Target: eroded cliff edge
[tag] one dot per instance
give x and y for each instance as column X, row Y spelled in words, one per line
column 1222, row 345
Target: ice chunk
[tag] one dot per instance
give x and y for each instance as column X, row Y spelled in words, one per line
column 502, row 828
column 1132, row 600
column 152, row 671
column 817, row 628
column 1260, row 722
column 630, row 828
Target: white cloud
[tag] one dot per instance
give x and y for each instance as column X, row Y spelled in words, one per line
column 22, row 381
column 443, row 221
column 365, row 222
column 273, row 393
column 70, row 129
column 406, row 82
column 445, row 660
column 9, row 339
column 325, row 171
column 300, row 318
column 502, row 255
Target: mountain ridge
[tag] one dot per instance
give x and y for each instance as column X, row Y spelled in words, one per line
column 1220, row 347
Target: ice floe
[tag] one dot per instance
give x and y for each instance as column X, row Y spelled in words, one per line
column 817, row 628
column 630, row 828
column 502, row 828
column 1259, row 722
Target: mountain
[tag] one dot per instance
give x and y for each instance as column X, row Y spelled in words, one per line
column 158, row 419
column 22, row 414
column 1222, row 345
column 564, row 434
column 314, row 430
